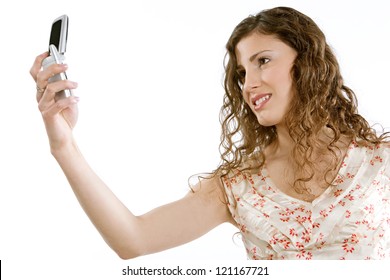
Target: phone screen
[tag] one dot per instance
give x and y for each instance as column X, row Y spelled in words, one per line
column 55, row 34
column 59, row 33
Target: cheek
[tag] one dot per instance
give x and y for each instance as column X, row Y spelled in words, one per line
column 282, row 83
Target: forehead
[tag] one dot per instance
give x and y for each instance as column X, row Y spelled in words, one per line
column 257, row 42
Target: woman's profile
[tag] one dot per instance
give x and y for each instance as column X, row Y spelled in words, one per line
column 302, row 174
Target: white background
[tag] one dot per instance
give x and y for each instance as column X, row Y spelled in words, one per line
column 150, row 82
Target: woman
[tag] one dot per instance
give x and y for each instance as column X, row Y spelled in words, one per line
column 302, row 175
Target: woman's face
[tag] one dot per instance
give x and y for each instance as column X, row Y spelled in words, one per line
column 264, row 65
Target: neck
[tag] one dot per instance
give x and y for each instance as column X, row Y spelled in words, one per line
column 283, row 143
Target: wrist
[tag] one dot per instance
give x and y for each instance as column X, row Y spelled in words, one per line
column 69, row 148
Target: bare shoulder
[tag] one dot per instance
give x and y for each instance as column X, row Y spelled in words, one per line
column 208, row 188
column 209, row 192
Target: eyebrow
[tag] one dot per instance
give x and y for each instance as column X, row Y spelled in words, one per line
column 256, row 54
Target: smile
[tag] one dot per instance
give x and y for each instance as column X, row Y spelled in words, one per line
column 260, row 100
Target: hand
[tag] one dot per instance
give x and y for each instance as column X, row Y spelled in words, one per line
column 60, row 116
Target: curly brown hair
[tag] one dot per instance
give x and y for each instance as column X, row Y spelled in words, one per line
column 321, row 98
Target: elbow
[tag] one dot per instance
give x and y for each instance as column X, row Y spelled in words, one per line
column 126, row 253
column 129, row 243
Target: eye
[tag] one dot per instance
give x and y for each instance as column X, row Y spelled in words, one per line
column 263, row 60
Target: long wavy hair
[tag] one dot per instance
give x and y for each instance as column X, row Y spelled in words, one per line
column 321, row 98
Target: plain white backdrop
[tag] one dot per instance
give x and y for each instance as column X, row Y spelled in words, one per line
column 150, row 82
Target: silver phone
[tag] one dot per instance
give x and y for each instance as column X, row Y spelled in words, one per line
column 57, row 49
column 59, row 33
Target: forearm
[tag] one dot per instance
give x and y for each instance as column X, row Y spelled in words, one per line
column 116, row 224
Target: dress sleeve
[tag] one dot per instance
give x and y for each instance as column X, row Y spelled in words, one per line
column 231, row 201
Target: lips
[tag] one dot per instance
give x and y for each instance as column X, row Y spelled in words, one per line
column 259, row 100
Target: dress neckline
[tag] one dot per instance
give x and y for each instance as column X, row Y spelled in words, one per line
column 288, row 198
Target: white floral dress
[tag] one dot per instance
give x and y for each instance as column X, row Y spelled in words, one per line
column 350, row 220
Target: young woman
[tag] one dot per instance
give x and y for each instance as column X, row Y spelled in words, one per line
column 303, row 176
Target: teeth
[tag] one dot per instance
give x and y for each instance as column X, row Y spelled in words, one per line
column 262, row 100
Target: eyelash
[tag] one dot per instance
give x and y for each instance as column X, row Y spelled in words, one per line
column 241, row 73
column 262, row 59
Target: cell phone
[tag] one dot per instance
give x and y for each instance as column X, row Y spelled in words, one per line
column 57, row 49
column 59, row 60
column 59, row 33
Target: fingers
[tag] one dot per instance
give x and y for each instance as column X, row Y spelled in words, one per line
column 57, row 107
column 59, row 113
column 36, row 67
column 47, row 98
column 42, row 77
column 46, row 91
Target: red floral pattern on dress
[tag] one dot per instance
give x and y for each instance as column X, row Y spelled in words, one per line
column 351, row 220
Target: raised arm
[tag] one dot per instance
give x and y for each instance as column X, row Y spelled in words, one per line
column 128, row 235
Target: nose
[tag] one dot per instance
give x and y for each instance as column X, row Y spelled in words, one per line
column 252, row 81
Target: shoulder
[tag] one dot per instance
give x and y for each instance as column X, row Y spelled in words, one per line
column 385, row 153
column 377, row 148
column 208, row 187
column 371, row 148
column 381, row 149
column 377, row 155
column 209, row 197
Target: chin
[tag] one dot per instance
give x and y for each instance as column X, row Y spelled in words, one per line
column 266, row 122
column 268, row 119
